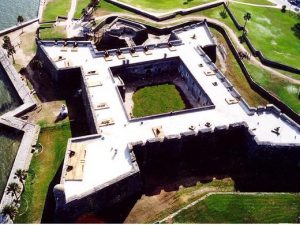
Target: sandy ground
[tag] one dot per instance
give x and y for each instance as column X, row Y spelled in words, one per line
column 24, row 43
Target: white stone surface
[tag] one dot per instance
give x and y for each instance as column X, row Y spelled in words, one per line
column 101, row 167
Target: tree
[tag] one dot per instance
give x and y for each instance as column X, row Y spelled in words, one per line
column 9, row 47
column 247, row 17
column 20, row 20
column 14, row 189
column 21, row 175
column 84, row 12
column 94, row 3
column 37, row 64
column 296, row 29
column 10, row 210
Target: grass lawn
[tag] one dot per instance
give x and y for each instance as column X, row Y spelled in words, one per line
column 105, row 8
column 229, row 208
column 285, row 91
column 56, row 8
column 157, row 99
column 165, row 5
column 42, row 170
column 270, row 31
column 258, row 2
column 81, row 4
column 52, row 33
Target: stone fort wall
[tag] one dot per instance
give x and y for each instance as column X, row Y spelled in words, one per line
column 190, row 147
column 160, row 154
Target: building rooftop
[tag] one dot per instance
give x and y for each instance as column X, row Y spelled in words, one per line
column 107, row 155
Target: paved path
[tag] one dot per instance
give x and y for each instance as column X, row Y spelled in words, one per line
column 69, row 23
column 257, row 5
column 230, row 32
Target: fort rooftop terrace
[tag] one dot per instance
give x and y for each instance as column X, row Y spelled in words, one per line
column 107, row 156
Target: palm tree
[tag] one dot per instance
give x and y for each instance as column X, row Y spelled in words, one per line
column 84, row 12
column 21, row 175
column 37, row 64
column 10, row 210
column 20, row 20
column 247, row 17
column 93, row 3
column 14, row 189
column 9, row 47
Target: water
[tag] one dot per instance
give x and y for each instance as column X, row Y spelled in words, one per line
column 10, row 140
column 10, row 9
column 9, row 98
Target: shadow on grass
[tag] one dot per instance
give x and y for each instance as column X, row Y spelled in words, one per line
column 115, row 214
column 49, row 209
column 78, row 125
column 296, row 30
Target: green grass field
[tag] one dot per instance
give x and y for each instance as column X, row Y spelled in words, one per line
column 56, row 8
column 229, row 208
column 165, row 5
column 270, row 32
column 53, row 33
column 276, row 40
column 157, row 99
column 42, row 170
column 81, row 4
column 285, row 91
column 105, row 8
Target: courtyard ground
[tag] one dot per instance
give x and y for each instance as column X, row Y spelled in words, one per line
column 156, row 100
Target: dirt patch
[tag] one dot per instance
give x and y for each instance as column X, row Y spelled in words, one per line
column 46, row 113
column 149, row 209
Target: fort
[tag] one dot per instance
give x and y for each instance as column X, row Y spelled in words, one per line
column 110, row 164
